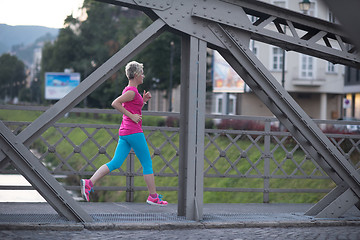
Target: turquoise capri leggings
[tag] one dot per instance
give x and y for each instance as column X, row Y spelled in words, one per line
column 137, row 142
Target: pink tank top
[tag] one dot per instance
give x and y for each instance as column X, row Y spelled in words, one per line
column 134, row 106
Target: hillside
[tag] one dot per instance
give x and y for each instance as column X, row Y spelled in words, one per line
column 21, row 37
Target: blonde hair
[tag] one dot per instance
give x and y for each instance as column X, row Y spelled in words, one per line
column 133, row 68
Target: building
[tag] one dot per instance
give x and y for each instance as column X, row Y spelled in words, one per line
column 315, row 84
column 352, row 93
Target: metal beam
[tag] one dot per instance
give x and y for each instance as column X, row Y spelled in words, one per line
column 348, row 15
column 301, row 126
column 192, row 17
column 39, row 177
column 36, row 128
column 192, row 128
column 94, row 80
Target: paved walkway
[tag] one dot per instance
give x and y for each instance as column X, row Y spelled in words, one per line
column 138, row 221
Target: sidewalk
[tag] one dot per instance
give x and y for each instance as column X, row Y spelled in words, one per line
column 140, row 216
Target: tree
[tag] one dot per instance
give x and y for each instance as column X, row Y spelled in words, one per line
column 85, row 45
column 12, row 75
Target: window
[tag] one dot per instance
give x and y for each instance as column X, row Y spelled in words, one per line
column 279, row 3
column 331, row 17
column 220, row 107
column 311, row 11
column 253, row 47
column 307, row 66
column 330, row 68
column 277, row 59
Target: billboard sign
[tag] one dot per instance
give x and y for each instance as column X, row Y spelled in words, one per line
column 225, row 79
column 57, row 85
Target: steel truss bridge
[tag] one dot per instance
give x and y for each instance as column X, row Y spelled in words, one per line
column 222, row 25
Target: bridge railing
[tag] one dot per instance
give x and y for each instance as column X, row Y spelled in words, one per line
column 250, row 153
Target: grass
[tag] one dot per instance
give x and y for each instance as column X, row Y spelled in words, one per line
column 243, row 162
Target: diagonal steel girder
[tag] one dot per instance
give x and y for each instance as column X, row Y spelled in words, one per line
column 16, row 147
column 308, row 35
column 348, row 15
column 40, row 178
column 284, row 107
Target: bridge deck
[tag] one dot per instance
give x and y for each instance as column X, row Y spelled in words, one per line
column 142, row 216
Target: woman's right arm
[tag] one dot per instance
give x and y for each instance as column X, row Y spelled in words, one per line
column 126, row 97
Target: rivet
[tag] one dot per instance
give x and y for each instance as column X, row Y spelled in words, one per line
column 229, row 11
column 249, row 28
column 154, row 4
column 183, row 16
column 214, row 8
column 203, row 36
column 178, row 20
column 235, row 24
column 195, row 5
column 171, row 13
column 230, row 46
column 176, row 8
column 220, row 20
column 194, row 32
column 204, row 8
column 194, row 13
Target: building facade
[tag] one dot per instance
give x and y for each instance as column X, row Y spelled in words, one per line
column 315, row 84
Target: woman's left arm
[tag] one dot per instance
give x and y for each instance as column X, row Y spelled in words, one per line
column 146, row 97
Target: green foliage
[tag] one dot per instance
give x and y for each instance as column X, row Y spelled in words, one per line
column 85, row 45
column 159, row 140
column 12, row 75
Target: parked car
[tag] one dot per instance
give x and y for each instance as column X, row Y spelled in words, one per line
column 353, row 127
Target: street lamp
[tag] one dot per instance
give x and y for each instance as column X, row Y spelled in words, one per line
column 305, row 5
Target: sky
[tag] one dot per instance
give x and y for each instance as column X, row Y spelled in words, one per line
column 47, row 13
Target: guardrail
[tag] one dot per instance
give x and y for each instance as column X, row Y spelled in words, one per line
column 253, row 155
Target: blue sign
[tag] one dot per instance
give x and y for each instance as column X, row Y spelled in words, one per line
column 57, row 85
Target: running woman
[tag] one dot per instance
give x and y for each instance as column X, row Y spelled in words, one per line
column 131, row 135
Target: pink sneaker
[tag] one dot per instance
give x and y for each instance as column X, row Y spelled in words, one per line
column 86, row 188
column 157, row 201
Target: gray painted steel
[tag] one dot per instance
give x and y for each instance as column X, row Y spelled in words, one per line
column 224, row 25
column 287, row 110
column 64, row 166
column 39, row 177
column 348, row 15
column 77, row 95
